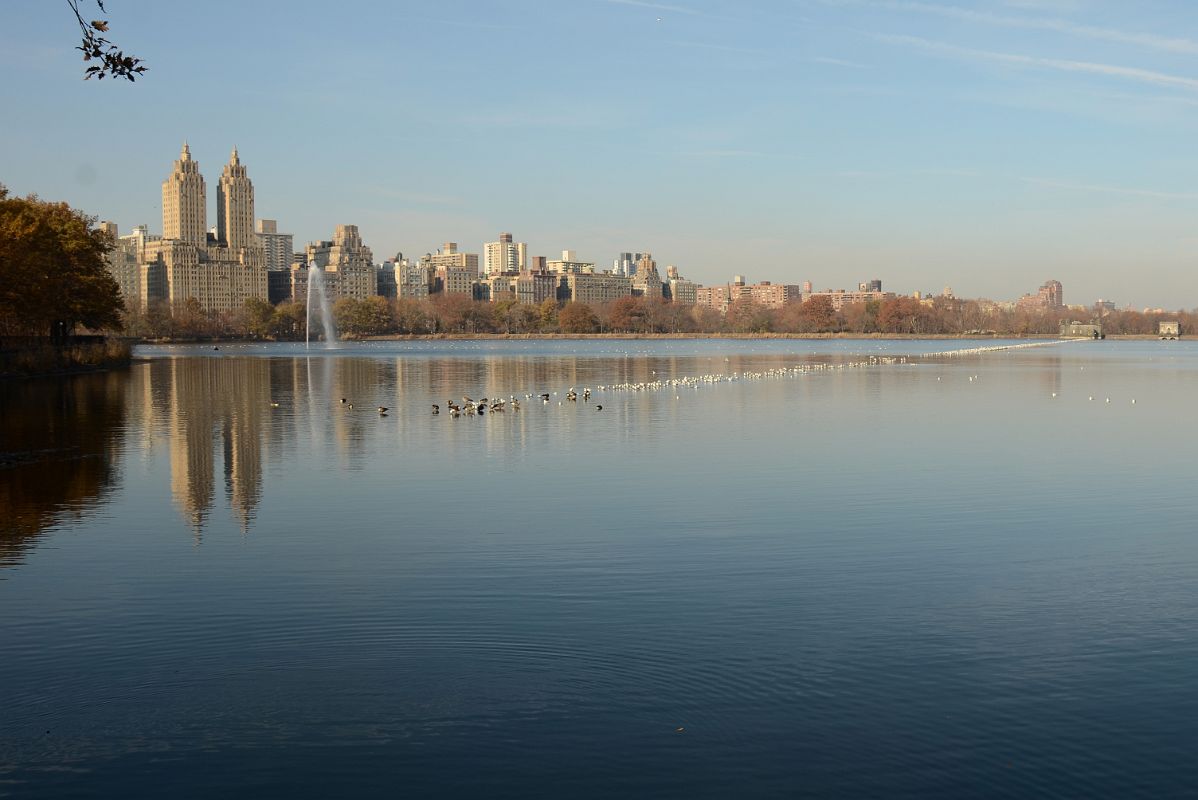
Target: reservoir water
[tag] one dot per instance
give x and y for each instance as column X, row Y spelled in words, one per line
column 944, row 578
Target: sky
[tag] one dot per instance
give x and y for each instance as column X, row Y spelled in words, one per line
column 986, row 146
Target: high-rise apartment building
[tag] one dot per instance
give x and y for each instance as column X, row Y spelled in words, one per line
column 455, row 280
column 277, row 247
column 448, row 256
column 347, row 263
column 568, row 264
column 765, row 293
column 188, row 264
column 235, row 206
column 504, row 256
column 625, row 264
column 184, row 202
column 124, row 265
column 647, row 282
column 717, row 297
column 1051, row 296
column 841, row 298
column 679, row 289
column 683, row 292
column 595, row 289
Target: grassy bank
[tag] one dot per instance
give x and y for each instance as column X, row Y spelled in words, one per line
column 47, row 359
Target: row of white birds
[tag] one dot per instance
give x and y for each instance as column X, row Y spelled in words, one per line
column 805, row 369
column 484, row 405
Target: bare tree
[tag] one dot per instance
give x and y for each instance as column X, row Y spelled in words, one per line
column 112, row 61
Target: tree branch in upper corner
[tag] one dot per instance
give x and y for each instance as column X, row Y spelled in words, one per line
column 110, row 60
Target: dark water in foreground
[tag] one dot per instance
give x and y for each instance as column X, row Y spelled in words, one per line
column 891, row 581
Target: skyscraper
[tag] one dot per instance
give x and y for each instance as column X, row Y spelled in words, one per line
column 278, row 247
column 625, row 264
column 347, row 263
column 235, row 206
column 183, row 265
column 647, row 282
column 184, row 202
column 504, row 256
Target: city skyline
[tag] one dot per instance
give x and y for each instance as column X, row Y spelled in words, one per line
column 987, row 148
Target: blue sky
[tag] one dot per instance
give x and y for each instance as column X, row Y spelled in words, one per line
column 988, row 146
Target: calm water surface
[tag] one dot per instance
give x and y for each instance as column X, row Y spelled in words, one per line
column 886, row 581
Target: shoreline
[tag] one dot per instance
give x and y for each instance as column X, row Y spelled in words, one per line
column 398, row 337
column 45, row 360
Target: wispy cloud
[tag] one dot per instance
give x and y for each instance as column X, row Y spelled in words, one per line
column 1061, row 65
column 1056, row 6
column 946, row 172
column 836, row 62
column 724, row 48
column 728, row 153
column 1099, row 189
column 1149, row 40
column 657, row 7
column 457, row 23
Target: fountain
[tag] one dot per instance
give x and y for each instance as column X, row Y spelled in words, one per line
column 316, row 287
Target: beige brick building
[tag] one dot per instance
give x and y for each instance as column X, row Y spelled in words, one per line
column 455, row 280
column 595, row 289
column 219, row 272
column 347, row 264
column 647, row 282
column 569, row 264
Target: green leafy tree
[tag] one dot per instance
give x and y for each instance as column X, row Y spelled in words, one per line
column 53, row 276
column 549, row 315
column 504, row 313
column 377, row 319
column 349, row 316
column 289, row 321
column 258, row 315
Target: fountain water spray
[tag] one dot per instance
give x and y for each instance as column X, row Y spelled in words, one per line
column 316, row 287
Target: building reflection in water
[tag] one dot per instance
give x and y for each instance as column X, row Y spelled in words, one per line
column 227, row 421
column 215, row 405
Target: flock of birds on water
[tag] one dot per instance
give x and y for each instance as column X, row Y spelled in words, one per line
column 483, row 406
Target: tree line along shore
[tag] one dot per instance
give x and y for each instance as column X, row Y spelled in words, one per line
column 54, row 285
column 460, row 316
